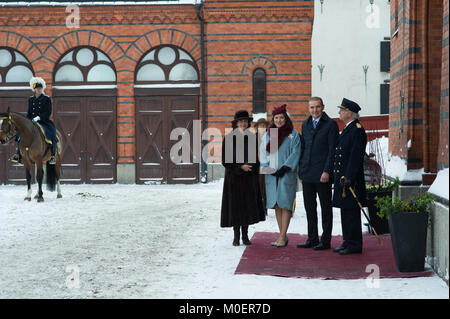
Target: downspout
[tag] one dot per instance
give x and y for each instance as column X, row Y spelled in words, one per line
column 426, row 87
column 204, row 167
column 426, row 108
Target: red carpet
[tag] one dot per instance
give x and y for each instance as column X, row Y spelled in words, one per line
column 261, row 258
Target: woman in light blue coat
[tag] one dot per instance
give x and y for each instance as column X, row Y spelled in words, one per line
column 279, row 157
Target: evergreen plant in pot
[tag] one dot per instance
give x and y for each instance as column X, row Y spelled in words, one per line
column 375, row 191
column 408, row 224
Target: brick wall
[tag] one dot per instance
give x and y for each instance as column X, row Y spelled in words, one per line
column 416, row 77
column 122, row 32
column 245, row 35
column 444, row 128
column 240, row 35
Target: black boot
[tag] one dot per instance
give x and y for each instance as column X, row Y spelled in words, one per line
column 52, row 160
column 245, row 239
column 17, row 158
column 236, row 236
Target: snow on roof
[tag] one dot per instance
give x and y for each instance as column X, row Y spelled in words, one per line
column 94, row 3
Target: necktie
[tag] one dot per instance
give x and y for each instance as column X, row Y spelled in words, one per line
column 314, row 123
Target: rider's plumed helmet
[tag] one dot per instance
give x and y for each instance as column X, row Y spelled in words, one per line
column 37, row 82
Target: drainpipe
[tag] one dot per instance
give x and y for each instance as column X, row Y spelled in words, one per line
column 204, row 167
column 426, row 88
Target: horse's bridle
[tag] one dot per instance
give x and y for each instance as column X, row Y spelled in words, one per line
column 9, row 133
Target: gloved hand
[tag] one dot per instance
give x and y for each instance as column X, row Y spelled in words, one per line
column 345, row 182
column 280, row 173
column 37, row 118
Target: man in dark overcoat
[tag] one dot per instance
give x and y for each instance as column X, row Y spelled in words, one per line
column 319, row 136
column 348, row 172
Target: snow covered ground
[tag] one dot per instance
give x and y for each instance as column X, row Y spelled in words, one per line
column 152, row 241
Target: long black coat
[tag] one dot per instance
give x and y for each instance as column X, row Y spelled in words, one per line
column 42, row 106
column 241, row 199
column 319, row 148
column 349, row 162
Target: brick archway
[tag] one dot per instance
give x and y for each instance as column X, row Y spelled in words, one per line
column 259, row 61
column 164, row 36
column 73, row 39
column 22, row 44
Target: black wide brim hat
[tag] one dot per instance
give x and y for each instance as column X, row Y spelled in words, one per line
column 349, row 105
column 242, row 115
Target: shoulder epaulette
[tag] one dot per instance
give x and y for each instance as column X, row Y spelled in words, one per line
column 358, row 125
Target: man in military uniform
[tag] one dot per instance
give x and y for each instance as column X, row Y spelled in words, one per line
column 349, row 172
column 40, row 110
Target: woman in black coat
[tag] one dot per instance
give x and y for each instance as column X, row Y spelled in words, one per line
column 241, row 200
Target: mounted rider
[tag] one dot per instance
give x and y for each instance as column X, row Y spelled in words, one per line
column 39, row 111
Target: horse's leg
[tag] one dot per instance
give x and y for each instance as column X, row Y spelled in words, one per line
column 58, row 189
column 58, row 175
column 39, row 177
column 28, row 197
column 28, row 174
column 35, row 174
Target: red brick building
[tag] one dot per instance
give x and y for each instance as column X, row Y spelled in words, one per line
column 418, row 119
column 121, row 77
column 419, row 85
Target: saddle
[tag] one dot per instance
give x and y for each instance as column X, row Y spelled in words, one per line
column 49, row 142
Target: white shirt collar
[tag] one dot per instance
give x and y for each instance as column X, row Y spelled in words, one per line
column 317, row 120
column 348, row 123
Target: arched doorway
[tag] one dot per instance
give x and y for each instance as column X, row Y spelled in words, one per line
column 167, row 92
column 85, row 102
column 15, row 74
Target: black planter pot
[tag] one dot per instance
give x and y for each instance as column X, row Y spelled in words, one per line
column 409, row 238
column 381, row 225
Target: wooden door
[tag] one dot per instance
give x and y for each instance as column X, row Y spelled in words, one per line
column 11, row 173
column 87, row 121
column 68, row 114
column 150, row 140
column 181, row 112
column 157, row 114
column 101, row 140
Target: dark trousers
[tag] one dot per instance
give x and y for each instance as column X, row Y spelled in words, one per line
column 351, row 227
column 310, row 191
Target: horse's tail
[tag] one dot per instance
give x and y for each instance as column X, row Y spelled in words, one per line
column 51, row 177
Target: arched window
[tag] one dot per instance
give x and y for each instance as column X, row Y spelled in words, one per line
column 14, row 67
column 166, row 64
column 85, row 65
column 259, row 91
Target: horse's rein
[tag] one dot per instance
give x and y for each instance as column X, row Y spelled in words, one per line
column 9, row 136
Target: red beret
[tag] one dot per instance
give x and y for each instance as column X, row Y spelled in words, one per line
column 279, row 110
